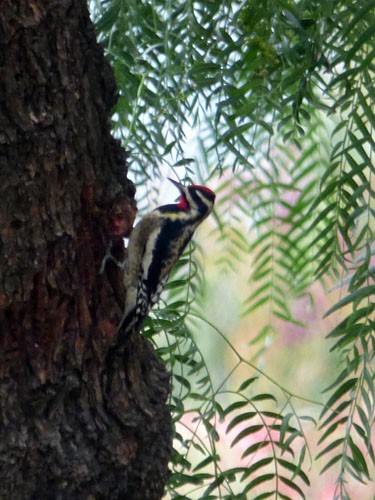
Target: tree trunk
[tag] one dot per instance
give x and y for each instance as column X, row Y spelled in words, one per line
column 71, row 425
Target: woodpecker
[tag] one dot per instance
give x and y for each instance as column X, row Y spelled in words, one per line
column 155, row 245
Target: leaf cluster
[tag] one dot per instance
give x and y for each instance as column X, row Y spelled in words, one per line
column 281, row 95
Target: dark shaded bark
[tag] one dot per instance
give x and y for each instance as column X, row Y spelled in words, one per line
column 67, row 429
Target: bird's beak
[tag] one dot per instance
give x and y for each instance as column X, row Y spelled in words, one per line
column 179, row 186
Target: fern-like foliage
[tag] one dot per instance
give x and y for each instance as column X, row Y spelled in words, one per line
column 346, row 247
column 211, row 415
column 281, row 96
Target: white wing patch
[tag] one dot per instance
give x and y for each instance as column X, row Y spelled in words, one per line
column 148, row 253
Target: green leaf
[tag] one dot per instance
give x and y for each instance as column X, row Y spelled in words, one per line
column 264, row 397
column 247, row 383
column 331, row 447
column 259, row 480
column 258, row 465
column 359, row 461
column 340, row 392
column 254, row 448
column 295, row 469
column 292, row 485
column 239, row 419
column 235, row 406
column 354, row 297
column 330, row 463
column 252, row 429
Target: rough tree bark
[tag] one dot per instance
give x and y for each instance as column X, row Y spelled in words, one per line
column 70, row 425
